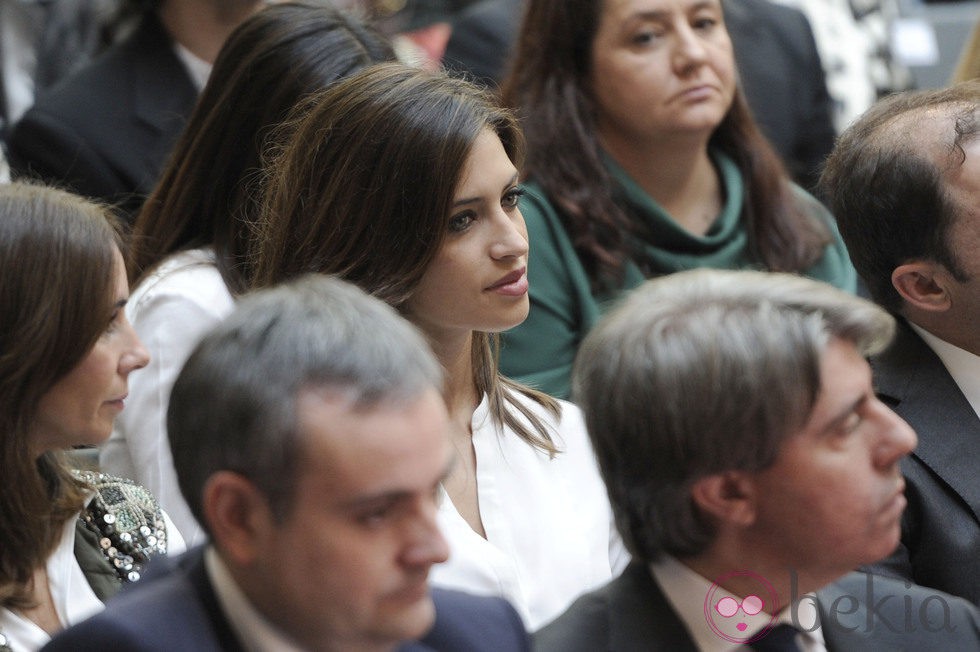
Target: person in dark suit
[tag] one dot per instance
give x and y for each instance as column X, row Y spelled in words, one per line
column 904, row 182
column 310, row 439
column 632, row 614
column 105, row 131
column 779, row 68
column 178, row 610
column 750, row 467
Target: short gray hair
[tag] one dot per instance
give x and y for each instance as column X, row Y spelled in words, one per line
column 233, row 406
column 702, row 372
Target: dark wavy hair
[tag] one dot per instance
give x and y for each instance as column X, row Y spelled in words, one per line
column 269, row 63
column 548, row 86
column 57, row 264
column 362, row 186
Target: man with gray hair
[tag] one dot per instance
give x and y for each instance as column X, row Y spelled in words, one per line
column 750, row 467
column 310, row 439
column 904, row 184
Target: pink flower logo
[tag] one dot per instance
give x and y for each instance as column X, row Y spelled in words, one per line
column 730, row 617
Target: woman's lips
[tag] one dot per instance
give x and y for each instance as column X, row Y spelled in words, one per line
column 514, row 284
column 118, row 403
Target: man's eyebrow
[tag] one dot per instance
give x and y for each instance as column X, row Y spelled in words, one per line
column 846, row 412
column 378, row 498
column 394, row 495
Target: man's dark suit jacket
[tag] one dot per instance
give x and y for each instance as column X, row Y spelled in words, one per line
column 631, row 614
column 783, row 81
column 105, row 131
column 780, row 70
column 178, row 610
column 941, row 525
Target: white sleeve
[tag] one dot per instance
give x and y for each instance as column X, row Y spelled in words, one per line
column 175, row 541
column 169, row 324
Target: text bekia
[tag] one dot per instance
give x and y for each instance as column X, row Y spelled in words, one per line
column 867, row 612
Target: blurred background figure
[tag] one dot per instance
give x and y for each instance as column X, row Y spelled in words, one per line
column 105, row 130
column 419, row 29
column 968, row 66
column 854, row 38
column 190, row 254
column 42, row 41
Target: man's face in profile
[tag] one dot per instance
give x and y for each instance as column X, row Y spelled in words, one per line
column 834, row 497
column 349, row 563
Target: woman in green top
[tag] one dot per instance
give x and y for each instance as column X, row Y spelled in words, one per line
column 643, row 159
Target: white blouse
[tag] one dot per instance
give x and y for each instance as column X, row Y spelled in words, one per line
column 550, row 531
column 74, row 600
column 171, row 311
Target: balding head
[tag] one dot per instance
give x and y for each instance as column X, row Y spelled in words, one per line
column 888, row 181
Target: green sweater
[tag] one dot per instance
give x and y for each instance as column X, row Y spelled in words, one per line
column 540, row 352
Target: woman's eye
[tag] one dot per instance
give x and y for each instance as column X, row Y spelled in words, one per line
column 512, row 197
column 461, row 221
column 704, row 24
column 113, row 321
column 374, row 518
column 643, row 38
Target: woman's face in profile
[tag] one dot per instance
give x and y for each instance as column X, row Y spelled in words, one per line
column 478, row 279
column 661, row 68
column 80, row 408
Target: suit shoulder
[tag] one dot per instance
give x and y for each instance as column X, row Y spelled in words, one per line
column 475, row 623
column 767, row 13
column 584, row 627
column 156, row 615
column 894, row 614
column 131, row 621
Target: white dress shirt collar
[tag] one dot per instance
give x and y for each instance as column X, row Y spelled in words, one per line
column 254, row 632
column 687, row 591
column 963, row 366
column 197, row 68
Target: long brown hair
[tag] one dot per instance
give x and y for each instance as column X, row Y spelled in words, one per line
column 548, row 86
column 269, row 63
column 362, row 187
column 57, row 265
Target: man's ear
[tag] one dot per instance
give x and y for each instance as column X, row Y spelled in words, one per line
column 923, row 285
column 238, row 516
column 730, row 497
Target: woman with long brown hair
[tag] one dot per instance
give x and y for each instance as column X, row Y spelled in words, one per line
column 405, row 183
column 643, row 160
column 70, row 539
column 190, row 242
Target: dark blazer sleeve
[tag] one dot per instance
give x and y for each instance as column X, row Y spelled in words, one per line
column 940, row 546
column 584, row 627
column 174, row 608
column 867, row 613
column 45, row 147
column 105, row 131
column 783, row 80
column 629, row 614
column 473, row 623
